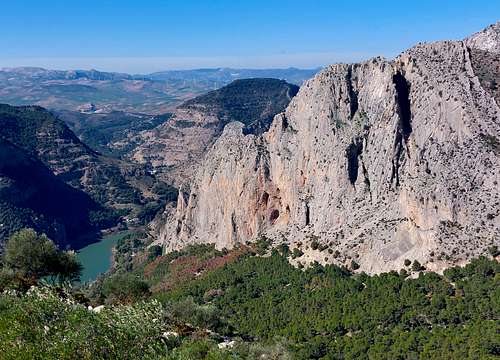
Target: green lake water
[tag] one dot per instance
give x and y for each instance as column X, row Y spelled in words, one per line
column 96, row 258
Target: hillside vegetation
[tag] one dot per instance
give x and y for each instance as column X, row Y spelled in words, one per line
column 201, row 303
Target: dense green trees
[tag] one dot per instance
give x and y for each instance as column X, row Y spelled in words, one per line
column 328, row 312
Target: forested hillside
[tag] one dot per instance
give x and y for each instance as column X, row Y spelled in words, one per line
column 201, row 303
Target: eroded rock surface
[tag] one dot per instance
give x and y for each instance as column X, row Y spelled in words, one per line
column 375, row 162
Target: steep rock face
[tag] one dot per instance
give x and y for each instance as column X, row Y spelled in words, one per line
column 176, row 148
column 377, row 162
column 236, row 176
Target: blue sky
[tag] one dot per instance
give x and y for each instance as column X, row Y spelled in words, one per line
column 151, row 35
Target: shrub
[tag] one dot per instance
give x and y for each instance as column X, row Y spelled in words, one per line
column 416, row 266
column 154, row 251
column 124, row 289
column 262, row 245
column 407, row 262
column 354, row 265
column 494, row 251
column 35, row 256
column 283, row 249
column 203, row 316
column 297, row 253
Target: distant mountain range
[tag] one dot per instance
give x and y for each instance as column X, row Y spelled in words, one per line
column 97, row 91
column 223, row 76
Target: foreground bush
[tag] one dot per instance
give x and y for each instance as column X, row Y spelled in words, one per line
column 41, row 325
column 33, row 256
column 44, row 325
column 47, row 323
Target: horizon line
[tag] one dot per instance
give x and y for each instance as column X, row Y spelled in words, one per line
column 152, row 64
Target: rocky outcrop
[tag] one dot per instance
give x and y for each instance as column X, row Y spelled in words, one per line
column 176, row 148
column 375, row 162
column 486, row 40
column 484, row 51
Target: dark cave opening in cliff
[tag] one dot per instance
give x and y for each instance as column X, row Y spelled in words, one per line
column 308, row 215
column 275, row 214
column 352, row 153
column 403, row 99
column 264, row 199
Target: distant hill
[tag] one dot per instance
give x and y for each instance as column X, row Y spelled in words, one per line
column 31, row 196
column 254, row 102
column 44, row 74
column 110, row 182
column 155, row 93
column 175, row 148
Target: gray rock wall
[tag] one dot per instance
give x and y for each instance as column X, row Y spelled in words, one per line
column 375, row 162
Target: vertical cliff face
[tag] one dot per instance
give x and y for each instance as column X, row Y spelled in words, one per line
column 380, row 161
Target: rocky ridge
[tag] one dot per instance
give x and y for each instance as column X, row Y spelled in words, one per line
column 375, row 162
column 176, row 148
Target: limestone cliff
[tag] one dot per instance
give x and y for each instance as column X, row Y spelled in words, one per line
column 377, row 162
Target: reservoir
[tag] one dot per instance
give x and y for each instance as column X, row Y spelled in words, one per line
column 96, row 258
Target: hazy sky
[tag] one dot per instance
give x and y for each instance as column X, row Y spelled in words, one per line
column 152, row 35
